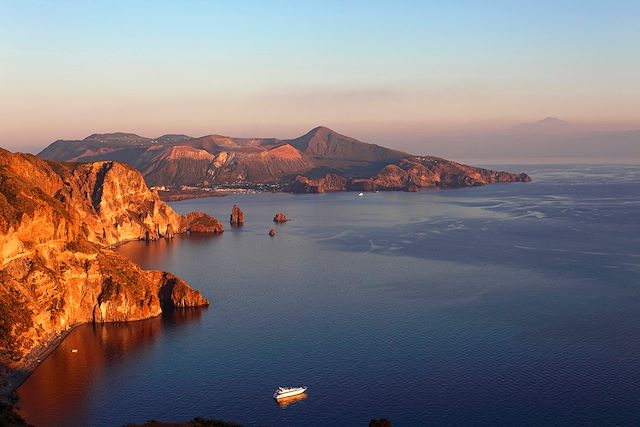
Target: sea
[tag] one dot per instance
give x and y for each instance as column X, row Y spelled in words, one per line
column 503, row 305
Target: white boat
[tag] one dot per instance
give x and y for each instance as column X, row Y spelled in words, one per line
column 360, row 194
column 284, row 392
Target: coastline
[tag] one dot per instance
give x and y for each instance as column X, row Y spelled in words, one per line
column 176, row 196
column 14, row 377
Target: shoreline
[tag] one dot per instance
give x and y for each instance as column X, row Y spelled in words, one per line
column 15, row 377
column 11, row 378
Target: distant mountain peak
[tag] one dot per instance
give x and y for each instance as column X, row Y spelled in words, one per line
column 552, row 120
column 546, row 125
column 321, row 130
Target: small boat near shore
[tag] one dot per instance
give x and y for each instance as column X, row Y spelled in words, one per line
column 285, row 392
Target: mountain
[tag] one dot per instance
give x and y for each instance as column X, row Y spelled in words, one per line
column 58, row 223
column 174, row 160
column 546, row 126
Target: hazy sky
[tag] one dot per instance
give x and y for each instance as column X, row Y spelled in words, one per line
column 279, row 68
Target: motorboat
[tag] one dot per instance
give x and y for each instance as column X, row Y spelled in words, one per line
column 360, row 194
column 292, row 400
column 284, row 392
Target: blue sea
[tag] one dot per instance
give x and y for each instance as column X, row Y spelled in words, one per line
column 510, row 304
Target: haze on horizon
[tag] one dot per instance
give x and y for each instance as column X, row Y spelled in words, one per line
column 427, row 77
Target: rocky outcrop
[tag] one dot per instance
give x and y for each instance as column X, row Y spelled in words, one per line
column 410, row 174
column 57, row 225
column 175, row 293
column 431, row 172
column 331, row 182
column 237, row 216
column 280, row 218
column 200, row 222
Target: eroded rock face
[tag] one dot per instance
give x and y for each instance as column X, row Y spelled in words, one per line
column 237, row 216
column 57, row 223
column 280, row 218
column 329, row 183
column 200, row 222
column 175, row 293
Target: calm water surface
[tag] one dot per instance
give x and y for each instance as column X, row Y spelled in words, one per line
column 514, row 304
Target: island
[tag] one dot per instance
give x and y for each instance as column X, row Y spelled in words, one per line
column 322, row 160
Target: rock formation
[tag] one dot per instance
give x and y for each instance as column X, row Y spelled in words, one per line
column 331, row 182
column 409, row 174
column 280, row 218
column 57, row 225
column 200, row 222
column 272, row 232
column 237, row 216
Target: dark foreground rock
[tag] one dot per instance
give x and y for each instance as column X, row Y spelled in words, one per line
column 9, row 418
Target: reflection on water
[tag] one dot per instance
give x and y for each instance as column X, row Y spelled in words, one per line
column 288, row 401
column 60, row 388
column 163, row 251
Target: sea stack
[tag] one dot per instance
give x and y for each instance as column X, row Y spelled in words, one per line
column 280, row 218
column 237, row 216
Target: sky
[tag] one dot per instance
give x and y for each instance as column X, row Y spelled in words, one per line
column 387, row 71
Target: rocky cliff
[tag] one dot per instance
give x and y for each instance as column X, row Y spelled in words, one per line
column 58, row 223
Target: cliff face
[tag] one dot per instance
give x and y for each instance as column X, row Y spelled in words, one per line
column 57, row 222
